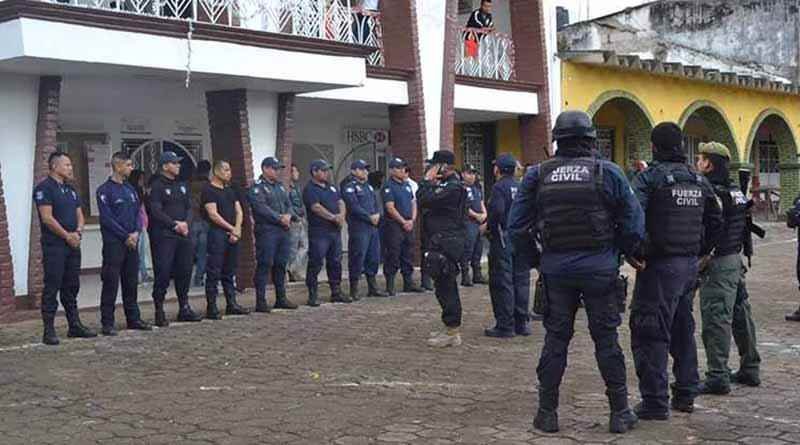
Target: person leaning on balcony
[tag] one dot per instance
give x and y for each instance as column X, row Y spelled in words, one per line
column 61, row 220
column 480, row 18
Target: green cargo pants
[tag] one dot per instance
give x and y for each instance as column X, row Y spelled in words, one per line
column 726, row 313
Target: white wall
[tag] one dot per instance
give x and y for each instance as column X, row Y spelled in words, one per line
column 262, row 114
column 18, row 108
column 431, row 24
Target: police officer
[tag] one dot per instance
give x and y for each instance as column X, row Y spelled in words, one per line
column 170, row 216
column 722, row 277
column 509, row 276
column 274, row 214
column 683, row 220
column 793, row 222
column 398, row 232
column 426, row 282
column 298, row 234
column 61, row 220
column 443, row 197
column 120, row 225
column 326, row 216
column 476, row 219
column 363, row 219
column 223, row 211
column 585, row 213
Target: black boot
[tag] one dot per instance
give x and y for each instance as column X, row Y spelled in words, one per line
column 337, row 296
column 76, row 328
column 234, row 308
column 794, row 316
column 622, row 418
column 49, row 337
column 546, row 421
column 410, row 287
column 427, row 282
column 185, row 312
column 372, row 288
column 160, row 317
column 465, row 279
column 139, row 325
column 477, row 276
column 262, row 306
column 281, row 302
column 313, row 299
column 212, row 311
column 390, row 286
column 354, row 290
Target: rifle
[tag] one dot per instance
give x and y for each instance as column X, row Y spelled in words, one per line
column 752, row 228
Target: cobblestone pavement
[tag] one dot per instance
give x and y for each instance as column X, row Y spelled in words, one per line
column 361, row 374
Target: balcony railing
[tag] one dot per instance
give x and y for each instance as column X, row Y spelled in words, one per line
column 485, row 53
column 334, row 20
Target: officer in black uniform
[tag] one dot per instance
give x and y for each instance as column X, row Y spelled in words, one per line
column 793, row 222
column 683, row 220
column 223, row 211
column 363, row 220
column 170, row 215
column 61, row 220
column 509, row 276
column 274, row 214
column 443, row 197
column 120, row 225
column 585, row 213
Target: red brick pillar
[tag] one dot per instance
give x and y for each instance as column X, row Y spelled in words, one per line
column 230, row 140
column 528, row 30
column 7, row 302
column 285, row 136
column 449, row 77
column 46, row 132
column 407, row 123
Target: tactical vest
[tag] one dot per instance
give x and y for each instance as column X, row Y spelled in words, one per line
column 675, row 213
column 734, row 210
column 572, row 213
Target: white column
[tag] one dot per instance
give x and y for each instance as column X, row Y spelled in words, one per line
column 18, row 110
column 431, row 15
column 262, row 115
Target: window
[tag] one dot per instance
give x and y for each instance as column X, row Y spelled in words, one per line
column 75, row 144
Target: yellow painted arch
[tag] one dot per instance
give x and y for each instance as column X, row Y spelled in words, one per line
column 769, row 112
column 608, row 96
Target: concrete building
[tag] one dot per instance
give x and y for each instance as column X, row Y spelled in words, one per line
column 241, row 80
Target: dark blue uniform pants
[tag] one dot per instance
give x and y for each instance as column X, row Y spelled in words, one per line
column 272, row 257
column 399, row 248
column 120, row 266
column 509, row 287
column 474, row 247
column 662, row 323
column 220, row 264
column 172, row 258
column 364, row 252
column 564, row 293
column 327, row 247
column 62, row 268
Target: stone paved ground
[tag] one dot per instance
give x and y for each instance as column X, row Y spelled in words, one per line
column 361, row 374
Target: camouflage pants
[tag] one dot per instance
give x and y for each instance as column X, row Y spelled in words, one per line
column 726, row 313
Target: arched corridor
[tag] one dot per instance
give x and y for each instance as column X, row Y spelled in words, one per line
column 623, row 126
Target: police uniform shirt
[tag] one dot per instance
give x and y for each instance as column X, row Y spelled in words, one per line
column 170, row 201
column 474, row 199
column 361, row 203
column 119, row 210
column 401, row 194
column 65, row 203
column 503, row 193
column 270, row 200
column 225, row 199
column 328, row 197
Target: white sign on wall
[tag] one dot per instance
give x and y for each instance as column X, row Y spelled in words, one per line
column 360, row 136
column 98, row 157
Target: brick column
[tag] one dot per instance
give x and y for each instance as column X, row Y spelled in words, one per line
column 285, row 135
column 230, row 140
column 528, row 30
column 46, row 131
column 449, row 77
column 7, row 301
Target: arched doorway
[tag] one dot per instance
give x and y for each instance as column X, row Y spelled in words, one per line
column 773, row 153
column 623, row 128
column 705, row 122
column 146, row 157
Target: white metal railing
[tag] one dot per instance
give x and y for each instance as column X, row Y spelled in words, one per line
column 485, row 53
column 334, row 20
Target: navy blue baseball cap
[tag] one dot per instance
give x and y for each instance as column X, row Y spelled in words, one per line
column 506, row 162
column 271, row 162
column 359, row 163
column 397, row 163
column 168, row 157
column 320, row 164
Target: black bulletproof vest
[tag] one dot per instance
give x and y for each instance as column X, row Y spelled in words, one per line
column 675, row 213
column 734, row 210
column 572, row 213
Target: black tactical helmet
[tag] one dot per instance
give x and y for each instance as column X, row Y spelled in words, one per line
column 574, row 124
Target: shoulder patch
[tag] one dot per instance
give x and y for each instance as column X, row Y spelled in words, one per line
column 103, row 198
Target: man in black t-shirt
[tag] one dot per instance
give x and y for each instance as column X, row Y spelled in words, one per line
column 223, row 211
column 480, row 19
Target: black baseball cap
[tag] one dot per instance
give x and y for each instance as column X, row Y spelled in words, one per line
column 169, row 157
column 272, row 162
column 443, row 157
column 320, row 164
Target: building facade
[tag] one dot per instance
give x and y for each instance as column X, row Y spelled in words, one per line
column 235, row 80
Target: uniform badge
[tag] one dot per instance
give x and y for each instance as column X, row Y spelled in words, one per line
column 358, row 188
column 183, row 189
column 255, row 191
column 387, row 191
column 74, row 195
column 514, row 191
column 348, row 190
column 333, row 189
column 103, row 198
column 39, row 195
column 168, row 191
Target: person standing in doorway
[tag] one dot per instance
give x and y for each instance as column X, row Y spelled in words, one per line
column 398, row 234
column 199, row 228
column 298, row 234
column 170, row 217
column 476, row 217
column 61, row 220
column 120, row 226
column 224, row 215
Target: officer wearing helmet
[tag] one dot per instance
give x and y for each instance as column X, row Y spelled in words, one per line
column 585, row 214
column 683, row 220
column 724, row 308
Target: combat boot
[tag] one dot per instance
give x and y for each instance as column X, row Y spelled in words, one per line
column 682, row 405
column 410, row 287
column 234, row 308
column 427, row 282
column 212, row 311
column 160, row 317
column 448, row 338
column 465, row 279
column 794, row 316
column 337, row 296
column 744, row 378
column 390, row 286
column 139, row 325
column 186, row 314
column 645, row 413
column 313, row 299
column 477, row 276
column 546, row 421
column 49, row 337
column 109, row 331
column 372, row 288
column 354, row 290
column 262, row 306
column 622, row 418
column 281, row 302
column 76, row 328
column 715, row 387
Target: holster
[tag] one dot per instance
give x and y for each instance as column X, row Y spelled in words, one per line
column 540, row 303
